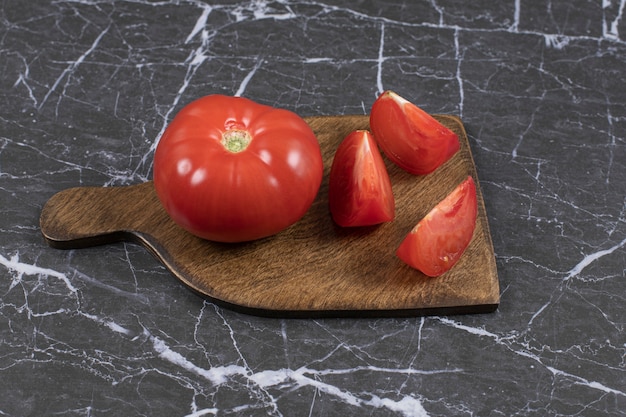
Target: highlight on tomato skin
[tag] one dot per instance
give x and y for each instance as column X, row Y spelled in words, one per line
column 439, row 240
column 359, row 191
column 409, row 136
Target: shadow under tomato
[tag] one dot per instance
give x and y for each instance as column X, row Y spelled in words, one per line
column 357, row 232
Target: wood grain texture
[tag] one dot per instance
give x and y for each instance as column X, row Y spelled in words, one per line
column 312, row 269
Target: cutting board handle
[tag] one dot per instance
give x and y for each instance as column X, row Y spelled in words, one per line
column 89, row 216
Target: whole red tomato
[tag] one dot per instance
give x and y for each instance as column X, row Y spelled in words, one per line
column 228, row 169
column 437, row 242
column 359, row 189
column 410, row 137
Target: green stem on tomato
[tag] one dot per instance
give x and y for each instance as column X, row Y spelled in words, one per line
column 236, row 140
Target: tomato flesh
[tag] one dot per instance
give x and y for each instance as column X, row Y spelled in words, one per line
column 360, row 192
column 228, row 169
column 409, row 136
column 437, row 242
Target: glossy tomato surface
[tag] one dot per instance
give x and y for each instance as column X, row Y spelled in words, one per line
column 359, row 189
column 228, row 169
column 409, row 136
column 437, row 242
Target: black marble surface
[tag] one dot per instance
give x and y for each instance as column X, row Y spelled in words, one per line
column 87, row 87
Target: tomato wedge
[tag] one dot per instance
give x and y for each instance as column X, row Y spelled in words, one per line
column 409, row 136
column 359, row 190
column 437, row 242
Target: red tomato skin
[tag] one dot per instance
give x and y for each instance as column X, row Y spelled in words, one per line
column 437, row 242
column 410, row 137
column 359, row 189
column 224, row 196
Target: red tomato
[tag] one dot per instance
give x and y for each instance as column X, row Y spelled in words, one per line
column 359, row 190
column 228, row 169
column 437, row 242
column 409, row 136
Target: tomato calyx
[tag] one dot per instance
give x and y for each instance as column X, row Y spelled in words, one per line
column 236, row 140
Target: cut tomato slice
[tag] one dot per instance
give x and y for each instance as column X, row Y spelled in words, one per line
column 359, row 190
column 409, row 136
column 437, row 242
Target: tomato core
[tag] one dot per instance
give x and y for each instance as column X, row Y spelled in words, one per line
column 236, row 140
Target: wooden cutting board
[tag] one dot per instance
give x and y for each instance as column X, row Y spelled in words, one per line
column 312, row 269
